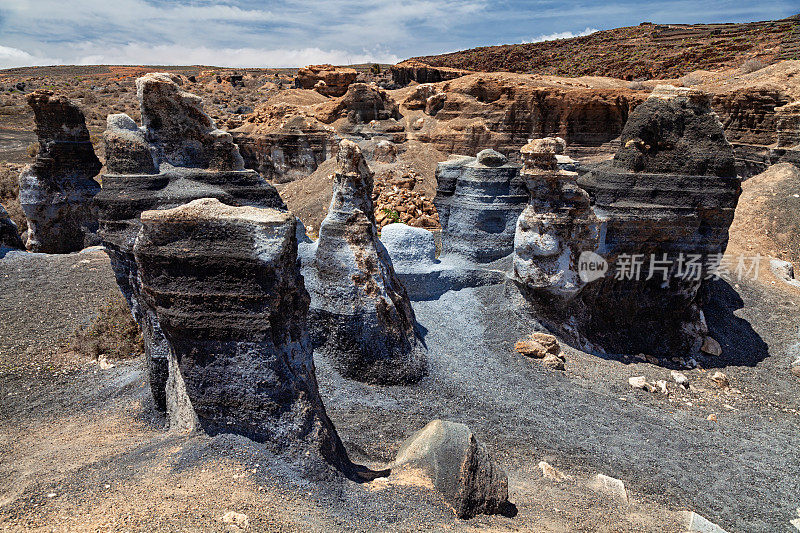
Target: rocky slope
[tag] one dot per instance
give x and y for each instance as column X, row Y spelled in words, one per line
column 644, row 51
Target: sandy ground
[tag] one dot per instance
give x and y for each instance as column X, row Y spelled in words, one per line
column 83, row 449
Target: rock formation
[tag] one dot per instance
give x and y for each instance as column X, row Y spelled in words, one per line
column 667, row 199
column 479, row 200
column 415, row 71
column 360, row 313
column 56, row 191
column 226, row 288
column 556, row 227
column 361, row 103
column 458, row 466
column 326, row 79
column 176, row 157
column 9, row 234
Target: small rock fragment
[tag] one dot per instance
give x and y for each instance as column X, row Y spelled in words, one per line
column 551, row 472
column 538, row 345
column 720, row 380
column 698, row 524
column 553, row 362
column 796, row 370
column 611, row 486
column 236, row 519
column 662, row 386
column 639, row 382
column 680, row 378
column 712, row 417
column 711, row 347
column 104, row 364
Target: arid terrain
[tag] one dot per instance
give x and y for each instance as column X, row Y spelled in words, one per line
column 84, row 446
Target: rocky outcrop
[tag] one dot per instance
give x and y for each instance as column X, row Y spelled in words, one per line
column 226, row 288
column 415, row 71
column 479, row 200
column 669, row 196
column 749, row 114
column 361, row 316
column 56, row 191
column 283, row 157
column 9, row 234
column 449, row 456
column 502, row 111
column 556, row 227
column 788, row 126
column 361, row 104
column 172, row 175
column 326, row 79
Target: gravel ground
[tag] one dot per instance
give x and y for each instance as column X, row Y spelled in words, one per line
column 85, row 451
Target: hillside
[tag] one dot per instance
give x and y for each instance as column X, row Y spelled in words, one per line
column 645, row 51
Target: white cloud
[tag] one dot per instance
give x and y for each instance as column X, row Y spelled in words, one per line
column 14, row 57
column 561, row 35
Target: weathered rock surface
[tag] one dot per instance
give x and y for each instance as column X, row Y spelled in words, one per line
column 479, row 200
column 555, row 228
column 226, row 288
column 334, row 80
column 670, row 194
column 136, row 182
column 361, row 103
column 9, row 234
column 56, row 191
column 283, row 157
column 415, row 71
column 458, row 466
column 360, row 312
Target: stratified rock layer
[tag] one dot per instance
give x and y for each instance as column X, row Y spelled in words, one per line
column 9, row 234
column 360, row 312
column 479, row 201
column 670, row 194
column 326, row 79
column 556, row 227
column 225, row 285
column 151, row 169
column 458, row 466
column 56, row 191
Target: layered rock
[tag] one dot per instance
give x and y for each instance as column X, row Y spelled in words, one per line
column 415, row 71
column 326, row 79
column 502, row 111
column 283, row 157
column 788, row 126
column 149, row 169
column 556, row 227
column 56, row 191
column 9, row 234
column 449, row 456
column 225, row 286
column 361, row 103
column 361, row 316
column 479, row 200
column 669, row 195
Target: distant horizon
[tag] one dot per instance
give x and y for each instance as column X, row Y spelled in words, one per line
column 267, row 34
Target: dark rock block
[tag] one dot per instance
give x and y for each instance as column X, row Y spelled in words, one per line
column 478, row 205
column 9, row 234
column 361, row 315
column 56, row 191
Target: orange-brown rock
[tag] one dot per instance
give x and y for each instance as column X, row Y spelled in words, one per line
column 335, row 80
column 417, row 71
column 362, row 103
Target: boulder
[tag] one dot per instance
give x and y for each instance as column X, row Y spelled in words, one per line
column 556, row 227
column 143, row 175
column 361, row 316
column 225, row 286
column 56, row 191
column 9, row 234
column 666, row 200
column 335, row 80
column 458, row 466
column 409, row 246
column 478, row 205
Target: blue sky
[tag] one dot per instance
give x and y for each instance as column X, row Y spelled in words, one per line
column 298, row 32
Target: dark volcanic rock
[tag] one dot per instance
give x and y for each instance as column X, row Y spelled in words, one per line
column 9, row 234
column 478, row 205
column 556, row 227
column 56, row 191
column 458, row 466
column 361, row 315
column 137, row 182
column 225, row 285
column 670, row 194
